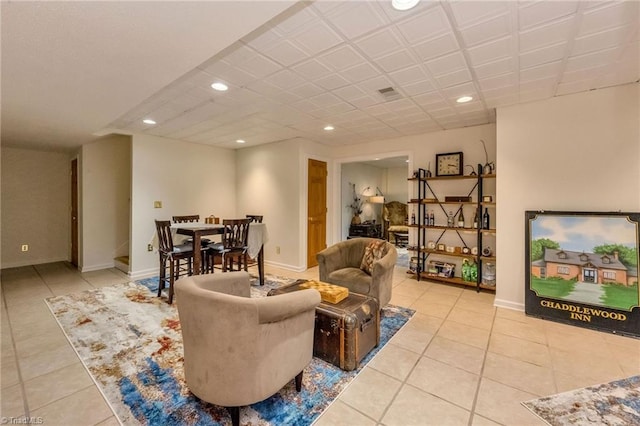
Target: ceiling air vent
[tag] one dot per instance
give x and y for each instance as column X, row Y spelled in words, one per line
column 389, row 94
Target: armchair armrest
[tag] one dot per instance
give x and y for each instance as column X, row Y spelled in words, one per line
column 235, row 283
column 283, row 306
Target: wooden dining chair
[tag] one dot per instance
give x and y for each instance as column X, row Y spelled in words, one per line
column 233, row 246
column 178, row 259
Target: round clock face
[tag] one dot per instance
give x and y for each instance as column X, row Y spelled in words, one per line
column 449, row 164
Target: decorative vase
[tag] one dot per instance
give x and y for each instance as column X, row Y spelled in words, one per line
column 355, row 220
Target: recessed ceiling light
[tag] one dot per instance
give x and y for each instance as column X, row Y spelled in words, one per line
column 240, row 141
column 463, row 99
column 148, row 121
column 221, row 87
column 404, row 4
column 329, row 127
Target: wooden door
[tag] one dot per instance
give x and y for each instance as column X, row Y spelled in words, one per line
column 74, row 212
column 317, row 210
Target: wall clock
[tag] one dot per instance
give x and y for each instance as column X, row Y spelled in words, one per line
column 449, row 164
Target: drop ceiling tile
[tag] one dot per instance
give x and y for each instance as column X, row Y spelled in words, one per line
column 395, row 61
column 501, row 66
column 438, row 46
column 285, row 53
column 610, row 15
column 306, row 90
column 542, row 71
column 360, row 72
column 501, row 101
column 430, row 99
column 264, row 88
column 340, row 108
column 496, row 27
column 354, row 19
column 348, row 92
column 341, row 58
column 499, row 92
column 409, row 75
column 286, row 97
column 425, row 25
column 320, row 113
column 505, row 80
column 379, row 43
column 311, row 69
column 262, row 38
column 442, row 112
column 543, row 55
column 331, row 82
column 544, row 35
column 372, row 85
column 316, row 38
column 377, row 110
column 364, row 101
column 417, row 88
column 238, row 53
column 602, row 40
column 491, row 51
column 546, row 85
column 324, row 100
column 285, row 79
column 536, row 13
column 305, row 105
column 585, row 74
column 466, row 13
column 259, row 66
column 447, row 64
column 453, row 78
column 594, row 59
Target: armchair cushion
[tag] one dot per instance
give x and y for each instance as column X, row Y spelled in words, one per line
column 375, row 250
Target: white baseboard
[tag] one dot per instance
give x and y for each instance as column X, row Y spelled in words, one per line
column 29, row 262
column 97, row 267
column 507, row 304
column 145, row 273
column 285, row 266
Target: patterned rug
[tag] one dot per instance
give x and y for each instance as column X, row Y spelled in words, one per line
column 613, row 403
column 130, row 342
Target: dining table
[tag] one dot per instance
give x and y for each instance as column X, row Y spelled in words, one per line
column 257, row 237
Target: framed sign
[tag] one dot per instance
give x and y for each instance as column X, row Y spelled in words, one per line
column 581, row 268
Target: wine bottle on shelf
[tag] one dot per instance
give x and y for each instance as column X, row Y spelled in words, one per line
column 486, row 220
column 461, row 219
column 413, row 218
column 450, row 219
column 476, row 219
column 432, row 221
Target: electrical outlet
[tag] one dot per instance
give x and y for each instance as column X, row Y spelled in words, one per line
column 25, row 247
column 149, row 247
column 277, row 249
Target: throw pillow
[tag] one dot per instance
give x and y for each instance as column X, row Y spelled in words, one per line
column 375, row 250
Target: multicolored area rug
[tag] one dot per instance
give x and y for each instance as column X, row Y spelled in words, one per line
column 614, row 403
column 130, row 341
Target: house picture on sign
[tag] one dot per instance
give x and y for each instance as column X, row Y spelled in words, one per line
column 588, row 259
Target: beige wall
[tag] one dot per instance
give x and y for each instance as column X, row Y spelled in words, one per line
column 36, row 188
column 577, row 152
column 104, row 212
column 187, row 178
column 272, row 181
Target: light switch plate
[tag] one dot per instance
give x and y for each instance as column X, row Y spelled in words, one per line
column 157, row 204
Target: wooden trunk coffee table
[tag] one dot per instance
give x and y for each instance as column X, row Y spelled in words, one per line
column 345, row 332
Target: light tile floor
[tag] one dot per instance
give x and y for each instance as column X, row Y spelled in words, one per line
column 459, row 361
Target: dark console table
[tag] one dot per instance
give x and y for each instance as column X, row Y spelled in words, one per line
column 370, row 230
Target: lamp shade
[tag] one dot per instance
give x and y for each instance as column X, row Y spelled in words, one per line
column 376, row 199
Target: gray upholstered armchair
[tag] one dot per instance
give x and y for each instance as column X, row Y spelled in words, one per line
column 340, row 264
column 240, row 350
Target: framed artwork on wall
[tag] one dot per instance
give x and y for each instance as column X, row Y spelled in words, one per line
column 581, row 268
